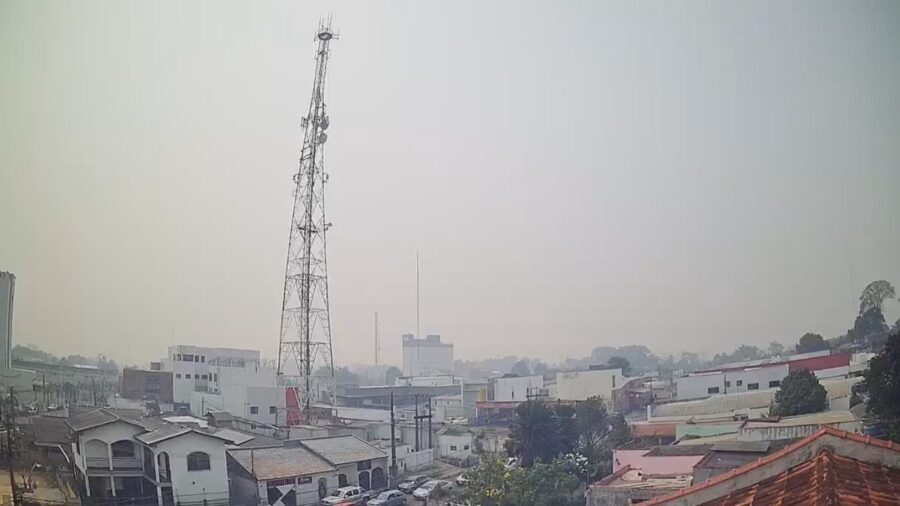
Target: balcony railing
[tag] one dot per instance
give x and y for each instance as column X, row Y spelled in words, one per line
column 117, row 462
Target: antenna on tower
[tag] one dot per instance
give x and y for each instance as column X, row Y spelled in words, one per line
column 418, row 335
column 305, row 360
column 377, row 345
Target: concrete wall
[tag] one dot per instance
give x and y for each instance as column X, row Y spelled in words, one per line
column 409, row 460
column 582, row 385
column 516, row 389
column 462, row 443
column 698, row 386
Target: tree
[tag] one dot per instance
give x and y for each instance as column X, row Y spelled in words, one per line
column 521, row 368
column 599, row 433
column 882, row 380
column 391, row 375
column 812, row 342
column 800, row 393
column 568, row 429
column 868, row 323
column 776, row 349
column 535, row 433
column 619, row 363
column 874, row 295
column 552, row 483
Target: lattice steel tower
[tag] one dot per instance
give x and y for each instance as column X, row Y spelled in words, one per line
column 305, row 362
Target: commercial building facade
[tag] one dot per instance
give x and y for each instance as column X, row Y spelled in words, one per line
column 427, row 356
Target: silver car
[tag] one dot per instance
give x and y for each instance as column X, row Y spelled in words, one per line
column 388, row 498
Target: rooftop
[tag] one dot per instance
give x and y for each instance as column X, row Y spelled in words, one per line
column 272, row 463
column 632, row 479
column 823, row 418
column 343, row 449
column 828, row 467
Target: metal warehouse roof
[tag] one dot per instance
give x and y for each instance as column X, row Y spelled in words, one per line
column 343, row 449
column 272, row 463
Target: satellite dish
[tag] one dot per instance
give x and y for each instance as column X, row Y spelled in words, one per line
column 324, row 122
column 323, row 137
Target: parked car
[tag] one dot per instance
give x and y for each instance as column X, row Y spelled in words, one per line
column 428, row 488
column 388, row 498
column 461, row 480
column 411, row 483
column 345, row 496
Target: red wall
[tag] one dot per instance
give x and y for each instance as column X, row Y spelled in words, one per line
column 818, row 363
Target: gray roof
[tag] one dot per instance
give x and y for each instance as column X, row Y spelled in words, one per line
column 50, row 429
column 742, row 446
column 94, row 419
column 162, row 433
column 343, row 449
column 456, row 430
column 220, row 416
column 272, row 463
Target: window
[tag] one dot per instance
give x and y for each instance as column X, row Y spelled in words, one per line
column 187, row 358
column 727, row 384
column 216, row 377
column 187, row 376
column 177, row 375
column 614, row 381
column 740, row 382
column 774, row 384
column 752, row 386
column 273, row 410
column 122, row 449
column 203, row 358
column 712, row 390
column 198, row 461
column 254, row 410
column 196, row 358
column 465, row 447
column 452, row 448
column 323, row 487
column 204, row 377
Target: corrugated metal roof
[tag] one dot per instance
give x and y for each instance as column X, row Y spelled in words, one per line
column 742, row 446
column 162, row 433
column 343, row 449
column 95, row 418
column 824, row 418
column 272, row 463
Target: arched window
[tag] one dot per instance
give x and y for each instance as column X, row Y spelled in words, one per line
column 342, row 480
column 198, row 461
column 123, row 448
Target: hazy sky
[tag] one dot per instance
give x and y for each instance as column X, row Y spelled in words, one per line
column 686, row 175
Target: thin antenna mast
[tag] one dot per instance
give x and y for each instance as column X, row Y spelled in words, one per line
column 376, row 339
column 418, row 335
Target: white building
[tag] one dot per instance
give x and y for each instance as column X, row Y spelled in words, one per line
column 147, row 460
column 582, row 385
column 517, row 388
column 426, row 357
column 456, row 442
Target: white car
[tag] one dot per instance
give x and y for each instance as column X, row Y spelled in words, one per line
column 388, row 498
column 461, row 480
column 345, row 495
column 427, row 488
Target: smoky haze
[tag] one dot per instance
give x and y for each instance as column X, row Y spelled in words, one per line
column 687, row 176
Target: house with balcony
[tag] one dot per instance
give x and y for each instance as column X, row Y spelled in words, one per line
column 146, row 461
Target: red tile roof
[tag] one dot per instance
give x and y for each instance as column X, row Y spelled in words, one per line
column 654, row 430
column 873, row 483
column 825, row 480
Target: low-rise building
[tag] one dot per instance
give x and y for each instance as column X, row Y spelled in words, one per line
column 305, row 472
column 456, row 442
column 793, row 427
column 630, row 486
column 147, row 460
column 141, row 384
column 583, row 385
column 426, row 357
column 517, row 388
column 828, row 467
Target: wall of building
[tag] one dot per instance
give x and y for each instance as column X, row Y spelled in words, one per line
column 700, row 385
column 140, row 384
column 582, row 385
column 455, row 446
column 426, row 357
column 516, row 389
column 195, row 486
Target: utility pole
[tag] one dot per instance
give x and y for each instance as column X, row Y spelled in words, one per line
column 11, row 448
column 393, row 445
column 423, row 417
column 416, row 420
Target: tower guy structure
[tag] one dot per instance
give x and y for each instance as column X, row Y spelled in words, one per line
column 305, row 360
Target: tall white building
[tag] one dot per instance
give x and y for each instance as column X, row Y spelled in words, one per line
column 225, row 379
column 426, row 357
